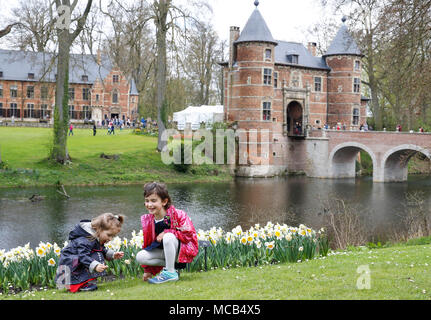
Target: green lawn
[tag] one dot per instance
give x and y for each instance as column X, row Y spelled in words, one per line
column 400, row 272
column 25, row 152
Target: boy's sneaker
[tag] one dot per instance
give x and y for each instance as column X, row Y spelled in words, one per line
column 164, row 276
column 88, row 287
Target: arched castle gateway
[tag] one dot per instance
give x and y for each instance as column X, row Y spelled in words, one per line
column 288, row 92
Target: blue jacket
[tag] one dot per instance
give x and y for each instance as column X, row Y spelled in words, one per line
column 81, row 256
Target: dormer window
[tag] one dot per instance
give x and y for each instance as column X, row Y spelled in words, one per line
column 84, row 78
column 30, row 76
column 268, row 54
column 1, row 74
column 293, row 58
column 115, row 78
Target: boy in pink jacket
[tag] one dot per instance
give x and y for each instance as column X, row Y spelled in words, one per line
column 169, row 236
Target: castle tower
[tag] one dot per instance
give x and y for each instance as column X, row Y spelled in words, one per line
column 344, row 81
column 250, row 90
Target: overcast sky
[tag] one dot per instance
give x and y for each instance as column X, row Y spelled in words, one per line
column 287, row 19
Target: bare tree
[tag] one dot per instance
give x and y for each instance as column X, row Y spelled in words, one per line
column 35, row 30
column 65, row 40
column 201, row 60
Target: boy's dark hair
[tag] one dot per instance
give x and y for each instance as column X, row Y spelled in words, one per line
column 158, row 189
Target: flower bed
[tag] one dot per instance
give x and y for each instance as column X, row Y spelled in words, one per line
column 22, row 267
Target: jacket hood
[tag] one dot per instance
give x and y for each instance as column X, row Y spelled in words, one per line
column 82, row 229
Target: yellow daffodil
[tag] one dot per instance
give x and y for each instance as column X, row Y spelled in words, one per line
column 40, row 252
column 244, row 240
column 51, row 262
column 269, row 245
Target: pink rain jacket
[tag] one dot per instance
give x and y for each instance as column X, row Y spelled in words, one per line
column 181, row 226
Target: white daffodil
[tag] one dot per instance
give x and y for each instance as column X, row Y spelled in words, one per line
column 51, row 262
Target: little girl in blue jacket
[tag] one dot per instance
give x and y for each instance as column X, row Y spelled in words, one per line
column 83, row 259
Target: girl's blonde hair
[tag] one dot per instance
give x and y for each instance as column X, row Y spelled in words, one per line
column 107, row 221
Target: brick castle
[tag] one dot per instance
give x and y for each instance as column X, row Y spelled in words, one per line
column 287, row 89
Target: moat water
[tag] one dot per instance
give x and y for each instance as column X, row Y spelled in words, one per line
column 291, row 200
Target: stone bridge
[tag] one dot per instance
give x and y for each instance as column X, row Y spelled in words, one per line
column 333, row 154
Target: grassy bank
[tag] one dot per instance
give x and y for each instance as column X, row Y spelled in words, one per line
column 400, row 272
column 24, row 152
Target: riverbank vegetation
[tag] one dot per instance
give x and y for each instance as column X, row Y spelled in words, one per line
column 129, row 158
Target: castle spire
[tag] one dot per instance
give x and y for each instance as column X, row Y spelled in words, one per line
column 256, row 29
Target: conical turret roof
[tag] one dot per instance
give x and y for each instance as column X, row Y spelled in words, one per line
column 256, row 30
column 343, row 44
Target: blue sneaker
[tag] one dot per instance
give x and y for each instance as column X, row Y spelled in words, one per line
column 164, row 276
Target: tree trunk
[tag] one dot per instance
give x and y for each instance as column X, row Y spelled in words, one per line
column 61, row 112
column 161, row 24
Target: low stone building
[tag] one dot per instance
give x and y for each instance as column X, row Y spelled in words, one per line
column 97, row 89
column 286, row 89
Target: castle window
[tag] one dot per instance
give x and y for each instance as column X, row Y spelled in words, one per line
column 13, row 91
column 275, row 79
column 357, row 65
column 355, row 120
column 115, row 78
column 267, row 75
column 1, row 74
column 293, row 58
column 266, row 111
column 30, row 92
column 85, row 93
column 84, row 78
column 44, row 92
column 44, row 111
column 318, row 84
column 86, row 112
column 72, row 112
column 357, row 85
column 1, row 110
column 71, row 93
column 97, row 97
column 268, row 54
column 1, row 91
column 30, row 76
column 115, row 96
column 30, row 110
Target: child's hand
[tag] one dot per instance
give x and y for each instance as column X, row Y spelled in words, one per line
column 101, row 267
column 160, row 237
column 118, row 255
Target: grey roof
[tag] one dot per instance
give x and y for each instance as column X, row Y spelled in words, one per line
column 305, row 58
column 16, row 65
column 133, row 89
column 343, row 43
column 256, row 30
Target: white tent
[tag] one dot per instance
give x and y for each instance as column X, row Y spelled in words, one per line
column 196, row 115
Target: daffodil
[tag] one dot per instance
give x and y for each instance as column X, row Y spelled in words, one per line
column 51, row 262
column 41, row 252
column 243, row 240
column 269, row 245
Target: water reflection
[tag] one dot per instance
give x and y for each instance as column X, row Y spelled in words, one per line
column 244, row 202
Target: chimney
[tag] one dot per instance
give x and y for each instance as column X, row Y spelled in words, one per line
column 312, row 48
column 99, row 57
column 233, row 36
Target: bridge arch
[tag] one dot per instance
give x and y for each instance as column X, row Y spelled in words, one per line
column 342, row 159
column 394, row 162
